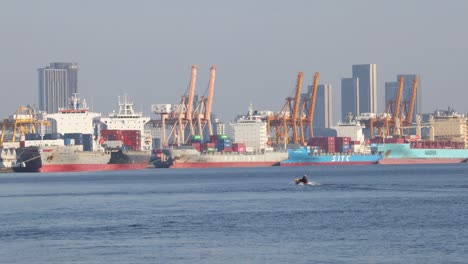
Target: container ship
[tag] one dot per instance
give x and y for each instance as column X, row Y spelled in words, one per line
column 331, row 151
column 422, row 152
column 57, row 158
column 191, row 157
column 125, row 136
column 74, row 147
column 249, row 148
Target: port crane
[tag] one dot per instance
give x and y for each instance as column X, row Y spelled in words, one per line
column 189, row 114
column 410, row 112
column 294, row 116
column 203, row 109
column 286, row 119
column 389, row 122
column 22, row 122
column 397, row 116
column 311, row 108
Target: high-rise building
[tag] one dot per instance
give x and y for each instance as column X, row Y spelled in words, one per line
column 391, row 89
column 323, row 106
column 57, row 83
column 367, row 93
column 349, row 98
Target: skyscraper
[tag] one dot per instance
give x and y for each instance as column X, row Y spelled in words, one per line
column 349, row 98
column 391, row 89
column 323, row 105
column 367, row 93
column 57, row 83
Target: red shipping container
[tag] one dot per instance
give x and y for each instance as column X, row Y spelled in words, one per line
column 343, row 139
column 227, row 149
column 214, row 138
column 197, row 146
column 238, row 147
column 207, row 145
column 112, row 134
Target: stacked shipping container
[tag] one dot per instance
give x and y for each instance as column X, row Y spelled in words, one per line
column 131, row 139
column 325, row 144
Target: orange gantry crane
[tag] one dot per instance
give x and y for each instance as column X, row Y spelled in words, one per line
column 204, row 107
column 294, row 116
column 389, row 122
column 393, row 121
column 313, row 99
column 409, row 115
column 195, row 115
column 396, row 117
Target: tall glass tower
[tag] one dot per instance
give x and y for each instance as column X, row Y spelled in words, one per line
column 367, row 75
column 57, row 83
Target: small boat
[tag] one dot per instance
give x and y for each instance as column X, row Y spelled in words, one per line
column 305, row 181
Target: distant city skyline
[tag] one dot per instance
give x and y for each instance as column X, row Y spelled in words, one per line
column 146, row 49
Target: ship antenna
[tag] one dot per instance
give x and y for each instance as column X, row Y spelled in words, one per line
column 250, row 109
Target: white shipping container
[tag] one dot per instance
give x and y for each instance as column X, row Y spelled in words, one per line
column 47, row 142
column 10, row 145
column 113, row 143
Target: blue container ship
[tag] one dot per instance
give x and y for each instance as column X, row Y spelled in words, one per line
column 430, row 152
column 306, row 156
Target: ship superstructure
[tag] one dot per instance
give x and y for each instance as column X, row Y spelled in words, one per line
column 128, row 119
column 251, row 130
column 76, row 118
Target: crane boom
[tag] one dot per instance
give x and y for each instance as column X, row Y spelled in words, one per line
column 396, row 114
column 313, row 97
column 189, row 113
column 209, row 103
column 409, row 118
column 296, row 105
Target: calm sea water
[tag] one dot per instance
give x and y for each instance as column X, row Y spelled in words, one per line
column 360, row 214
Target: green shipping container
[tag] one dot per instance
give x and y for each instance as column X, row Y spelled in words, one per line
column 196, row 137
column 223, row 136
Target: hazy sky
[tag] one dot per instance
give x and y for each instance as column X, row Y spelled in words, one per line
column 146, row 49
